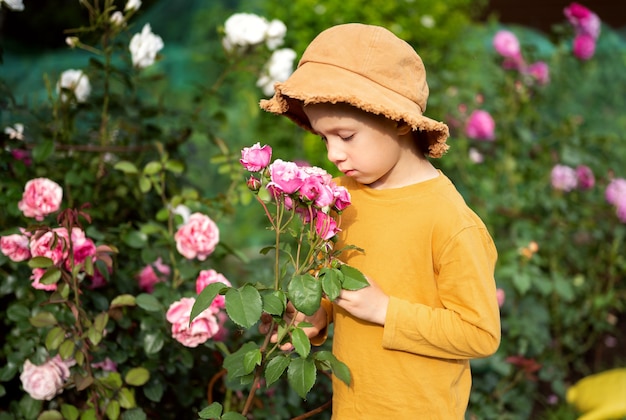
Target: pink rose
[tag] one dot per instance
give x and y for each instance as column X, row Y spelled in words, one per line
column 46, row 381
column 585, row 177
column 342, row 197
column 82, row 248
column 256, row 158
column 53, row 244
column 583, row 20
column 23, row 155
column 506, row 44
column 198, row 237
column 480, row 126
column 563, row 178
column 206, row 277
column 36, row 276
column 106, row 365
column 584, row 46
column 286, row 177
column 621, row 211
column 615, row 192
column 148, row 277
column 325, row 226
column 15, row 246
column 41, row 197
column 203, row 327
column 539, row 71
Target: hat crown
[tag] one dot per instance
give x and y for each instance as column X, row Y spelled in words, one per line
column 375, row 53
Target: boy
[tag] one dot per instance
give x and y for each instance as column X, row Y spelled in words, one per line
column 431, row 305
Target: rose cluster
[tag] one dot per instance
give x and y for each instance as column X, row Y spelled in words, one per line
column 566, row 178
column 308, row 190
column 507, row 45
column 65, row 249
column 208, row 324
column 586, row 25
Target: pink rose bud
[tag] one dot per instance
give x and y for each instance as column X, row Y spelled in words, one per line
column 256, row 158
column 540, row 72
column 325, row 226
column 254, row 184
column 586, row 179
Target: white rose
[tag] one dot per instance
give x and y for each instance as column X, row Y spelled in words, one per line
column 17, row 5
column 117, row 18
column 144, row 47
column 46, row 381
column 278, row 69
column 275, row 36
column 76, row 81
column 243, row 30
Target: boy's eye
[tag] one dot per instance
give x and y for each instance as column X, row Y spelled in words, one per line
column 346, row 138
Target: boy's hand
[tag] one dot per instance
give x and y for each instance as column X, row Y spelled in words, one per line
column 317, row 320
column 369, row 303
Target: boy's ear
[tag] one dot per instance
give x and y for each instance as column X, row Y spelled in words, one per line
column 403, row 128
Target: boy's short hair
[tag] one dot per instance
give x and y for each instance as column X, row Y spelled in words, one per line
column 367, row 67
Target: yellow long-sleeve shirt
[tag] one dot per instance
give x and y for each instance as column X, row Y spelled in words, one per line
column 433, row 256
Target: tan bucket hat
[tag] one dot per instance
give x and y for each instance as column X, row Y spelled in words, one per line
column 365, row 66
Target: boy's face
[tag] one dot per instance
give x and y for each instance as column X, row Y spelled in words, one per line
column 372, row 149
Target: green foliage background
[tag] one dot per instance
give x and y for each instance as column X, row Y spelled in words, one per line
column 562, row 306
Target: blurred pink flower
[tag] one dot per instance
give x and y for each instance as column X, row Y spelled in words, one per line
column 256, row 158
column 46, row 381
column 23, row 155
column 539, row 71
column 585, row 177
column 106, row 365
column 563, row 178
column 15, row 246
column 206, row 277
column 41, row 197
column 584, row 46
column 621, row 211
column 615, row 192
column 500, row 296
column 53, row 244
column 480, row 126
column 475, row 156
column 82, row 248
column 198, row 237
column 203, row 327
column 506, row 44
column 148, row 276
column 583, row 20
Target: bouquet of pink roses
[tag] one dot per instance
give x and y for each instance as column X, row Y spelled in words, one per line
column 303, row 206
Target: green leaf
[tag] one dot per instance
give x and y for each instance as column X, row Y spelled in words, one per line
column 40, row 262
column 126, row 397
column 522, row 282
column 301, row 375
column 353, row 279
column 50, row 415
column 89, row 414
column 43, row 319
column 251, row 360
column 145, row 184
column 149, row 303
column 305, row 292
column 174, row 166
column 275, row 368
column 153, row 342
column 137, row 376
column 213, row 411
column 300, row 342
column 152, row 168
column 113, row 380
column 234, row 364
column 126, row 167
column 54, row 338
column 205, row 298
column 43, row 150
column 339, row 369
column 66, row 350
column 123, row 300
column 154, row 391
column 135, row 239
column 233, row 415
column 331, row 282
column 113, row 410
column 244, row 306
column 69, row 412
column 274, row 303
column 94, row 335
column 51, row 276
column 100, row 322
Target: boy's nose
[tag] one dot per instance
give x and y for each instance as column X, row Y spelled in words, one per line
column 334, row 152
